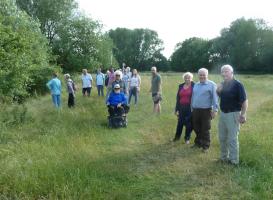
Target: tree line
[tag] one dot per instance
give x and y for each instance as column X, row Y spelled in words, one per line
column 38, row 37
column 247, row 45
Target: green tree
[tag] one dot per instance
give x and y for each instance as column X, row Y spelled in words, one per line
column 23, row 54
column 50, row 13
column 81, row 44
column 139, row 48
column 246, row 44
column 190, row 55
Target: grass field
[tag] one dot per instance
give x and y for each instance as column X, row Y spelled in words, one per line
column 71, row 154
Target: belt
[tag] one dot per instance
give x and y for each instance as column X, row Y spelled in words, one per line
column 201, row 108
column 229, row 110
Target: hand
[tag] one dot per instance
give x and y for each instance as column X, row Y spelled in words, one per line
column 119, row 105
column 242, row 119
column 177, row 113
column 213, row 114
column 219, row 88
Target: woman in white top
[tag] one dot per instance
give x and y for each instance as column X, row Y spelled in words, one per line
column 134, row 86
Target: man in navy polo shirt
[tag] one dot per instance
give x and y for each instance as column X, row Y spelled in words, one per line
column 233, row 105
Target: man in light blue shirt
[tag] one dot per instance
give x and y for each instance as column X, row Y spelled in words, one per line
column 56, row 89
column 100, row 82
column 204, row 108
column 86, row 83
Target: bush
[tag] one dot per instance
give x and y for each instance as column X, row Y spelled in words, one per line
column 24, row 54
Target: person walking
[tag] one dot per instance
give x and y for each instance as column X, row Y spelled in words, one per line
column 55, row 86
column 183, row 108
column 100, row 78
column 233, row 106
column 86, row 83
column 156, row 90
column 134, row 86
column 204, row 109
column 71, row 89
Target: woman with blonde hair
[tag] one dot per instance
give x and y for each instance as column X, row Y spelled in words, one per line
column 183, row 107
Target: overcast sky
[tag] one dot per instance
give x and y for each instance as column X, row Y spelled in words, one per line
column 176, row 20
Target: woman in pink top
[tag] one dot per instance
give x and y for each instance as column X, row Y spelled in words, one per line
column 183, row 108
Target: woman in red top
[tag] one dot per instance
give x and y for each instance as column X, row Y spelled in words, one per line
column 183, row 107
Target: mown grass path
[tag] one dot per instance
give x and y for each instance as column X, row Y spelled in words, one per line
column 71, row 154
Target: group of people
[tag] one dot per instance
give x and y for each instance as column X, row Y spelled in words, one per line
column 123, row 79
column 196, row 103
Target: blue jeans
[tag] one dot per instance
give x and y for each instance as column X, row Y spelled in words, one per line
column 56, row 99
column 100, row 90
column 133, row 91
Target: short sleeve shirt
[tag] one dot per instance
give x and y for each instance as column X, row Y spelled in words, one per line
column 156, row 82
column 86, row 81
column 232, row 96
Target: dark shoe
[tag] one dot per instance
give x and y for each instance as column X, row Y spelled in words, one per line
column 205, row 150
column 175, row 140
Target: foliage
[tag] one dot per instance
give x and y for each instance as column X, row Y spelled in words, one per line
column 138, row 48
column 246, row 44
column 23, row 54
column 13, row 114
column 50, row 13
column 76, row 40
column 191, row 54
column 81, row 44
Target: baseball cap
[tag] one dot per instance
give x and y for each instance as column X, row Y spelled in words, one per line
column 117, row 86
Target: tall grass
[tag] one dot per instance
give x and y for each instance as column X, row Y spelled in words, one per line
column 71, row 154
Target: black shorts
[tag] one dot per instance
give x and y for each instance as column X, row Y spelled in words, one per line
column 156, row 98
column 88, row 90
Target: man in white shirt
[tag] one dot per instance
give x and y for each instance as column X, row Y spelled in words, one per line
column 86, row 83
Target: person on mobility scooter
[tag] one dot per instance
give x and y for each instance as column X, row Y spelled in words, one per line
column 117, row 108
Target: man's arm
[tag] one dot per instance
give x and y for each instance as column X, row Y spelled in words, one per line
column 242, row 118
column 214, row 101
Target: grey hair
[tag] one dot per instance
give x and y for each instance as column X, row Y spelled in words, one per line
column 119, row 73
column 187, row 74
column 227, row 67
column 153, row 68
column 203, row 70
column 67, row 75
